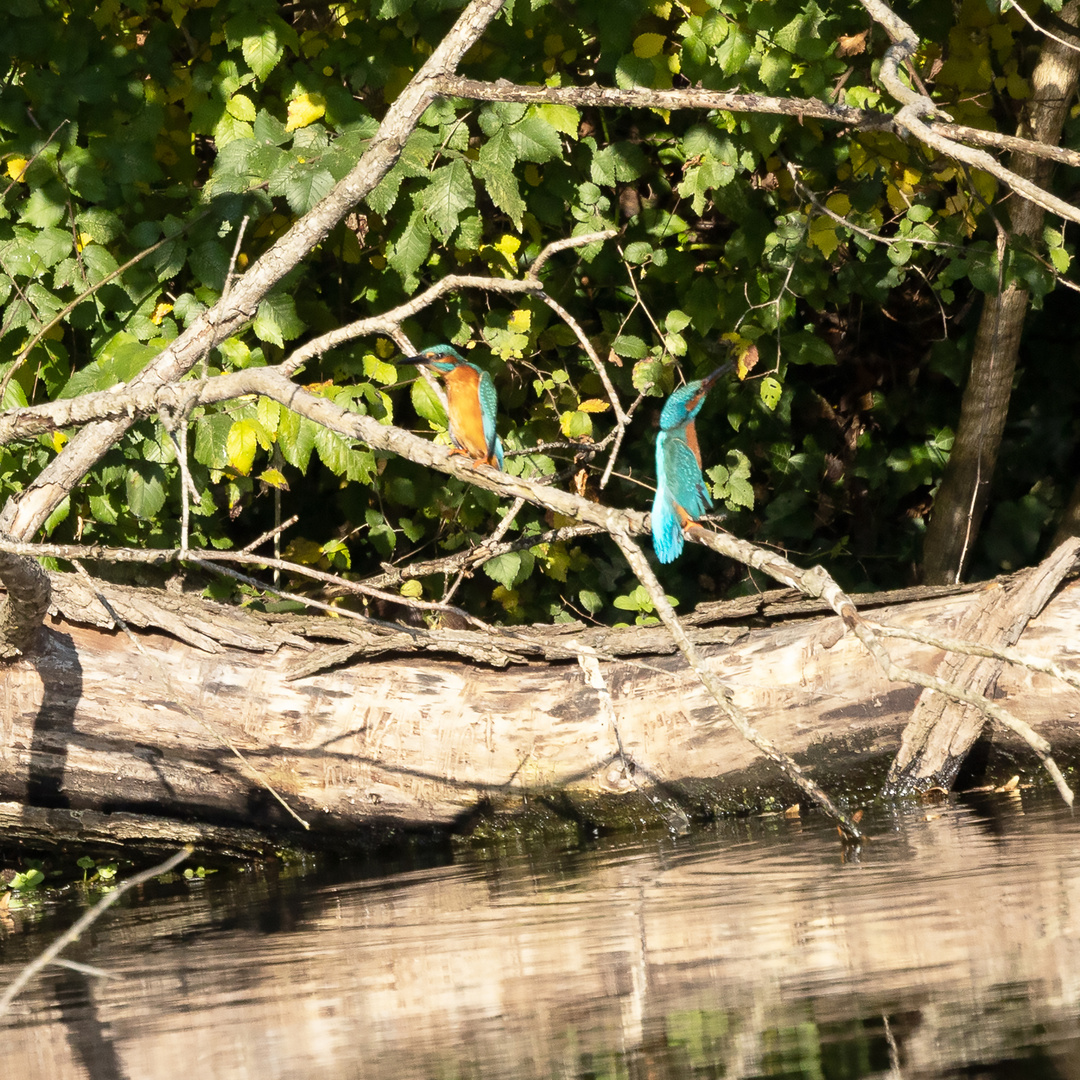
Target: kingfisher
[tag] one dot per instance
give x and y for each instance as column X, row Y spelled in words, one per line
column 471, row 403
column 681, row 495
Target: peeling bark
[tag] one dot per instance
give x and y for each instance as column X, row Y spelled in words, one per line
column 423, row 741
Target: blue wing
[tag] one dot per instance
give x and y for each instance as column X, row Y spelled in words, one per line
column 489, row 408
column 683, row 475
column 679, row 485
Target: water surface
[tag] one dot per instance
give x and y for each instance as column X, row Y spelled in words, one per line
column 949, row 946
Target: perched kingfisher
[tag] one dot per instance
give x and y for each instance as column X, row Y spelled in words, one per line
column 471, row 403
column 681, row 495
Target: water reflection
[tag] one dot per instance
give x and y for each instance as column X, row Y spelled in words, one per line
column 949, row 946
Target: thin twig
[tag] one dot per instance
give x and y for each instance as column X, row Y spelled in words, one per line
column 1011, row 5
column 975, row 648
column 81, row 925
column 738, row 718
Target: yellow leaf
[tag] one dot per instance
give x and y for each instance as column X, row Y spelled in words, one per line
column 594, row 405
column 160, row 311
column 379, row 370
column 413, row 588
column 59, row 439
column 520, row 321
column 82, row 240
column 304, row 110
column 839, row 204
column 509, row 598
column 647, row 45
column 240, row 446
column 16, row 167
column 508, row 245
column 823, row 235
column 303, row 551
column 770, row 391
column 275, row 479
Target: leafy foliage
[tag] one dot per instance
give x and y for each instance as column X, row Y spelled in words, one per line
column 143, row 143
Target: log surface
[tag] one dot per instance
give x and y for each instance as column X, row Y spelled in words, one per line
column 91, row 723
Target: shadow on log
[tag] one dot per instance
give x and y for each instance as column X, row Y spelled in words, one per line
column 102, row 740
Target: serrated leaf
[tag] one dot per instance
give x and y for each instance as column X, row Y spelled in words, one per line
column 629, row 346
column 496, row 167
column 211, row 434
column 594, row 405
column 333, row 450
column 564, row 118
column 276, row 320
column 535, row 139
column 591, row 601
column 511, row 568
column 411, row 248
column 649, row 377
column 42, row 211
column 241, row 107
column 262, row 52
column 306, row 187
column 275, row 478
column 240, row 446
column 303, row 110
column 119, row 360
column 145, row 486
column 447, row 195
column 296, row 439
column 427, row 404
column 575, row 424
column 379, row 370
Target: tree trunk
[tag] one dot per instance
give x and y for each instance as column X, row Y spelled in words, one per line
column 962, row 497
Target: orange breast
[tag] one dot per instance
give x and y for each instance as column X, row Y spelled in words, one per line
column 691, row 441
column 466, row 420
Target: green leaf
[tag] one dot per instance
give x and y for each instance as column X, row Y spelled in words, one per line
column 511, row 568
column 120, row 360
column 333, row 450
column 770, row 392
column 262, row 52
column 535, row 139
column 306, row 187
column 211, row 436
column 412, row 246
column 564, row 118
column 495, row 167
column 804, row 347
column 276, row 320
column 427, row 404
column 296, row 439
column 591, row 601
column 449, row 193
column 145, row 484
column 629, row 346
column 42, row 210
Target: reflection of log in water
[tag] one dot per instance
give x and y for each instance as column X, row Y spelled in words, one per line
column 730, row 954
column 404, row 741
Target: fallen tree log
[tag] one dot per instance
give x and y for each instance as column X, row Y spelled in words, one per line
column 410, row 737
